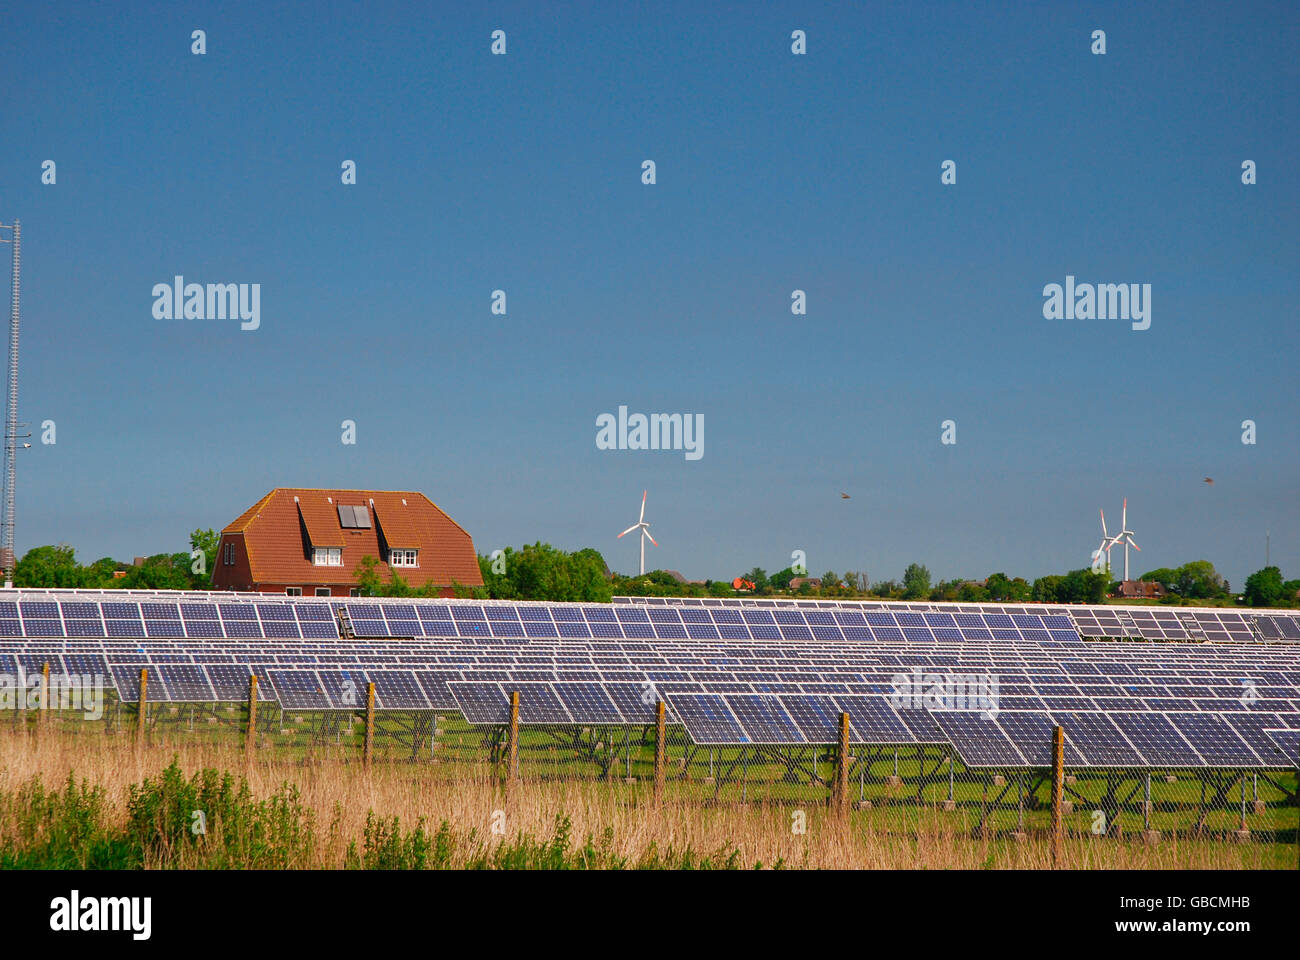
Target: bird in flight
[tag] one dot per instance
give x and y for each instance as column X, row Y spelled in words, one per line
column 1210, row 481
column 845, row 496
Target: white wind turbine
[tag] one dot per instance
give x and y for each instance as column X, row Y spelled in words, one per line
column 645, row 531
column 1107, row 542
column 1126, row 536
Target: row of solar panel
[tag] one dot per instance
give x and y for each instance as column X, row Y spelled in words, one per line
column 224, row 682
column 1005, row 739
column 120, row 619
column 1109, row 659
column 1105, row 610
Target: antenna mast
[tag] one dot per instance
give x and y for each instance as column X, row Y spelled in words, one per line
column 11, row 410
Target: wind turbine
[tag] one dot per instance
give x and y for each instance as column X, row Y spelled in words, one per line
column 1126, row 535
column 645, row 531
column 1107, row 542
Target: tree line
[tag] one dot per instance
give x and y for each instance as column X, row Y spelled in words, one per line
column 540, row 571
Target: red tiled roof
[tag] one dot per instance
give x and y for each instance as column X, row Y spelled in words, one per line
column 273, row 530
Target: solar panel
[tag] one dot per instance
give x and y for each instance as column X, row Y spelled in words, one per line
column 708, row 719
column 588, row 702
column 299, row 690
column 978, row 740
column 481, row 702
column 186, row 683
column 1031, row 733
column 873, row 720
column 764, row 719
column 1159, row 742
column 1287, row 743
column 817, row 716
column 1102, row 743
column 1218, row 744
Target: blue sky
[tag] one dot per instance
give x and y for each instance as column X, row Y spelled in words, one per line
column 775, row 172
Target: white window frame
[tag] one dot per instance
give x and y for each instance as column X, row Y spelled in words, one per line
column 228, row 555
column 324, row 592
column 333, row 556
column 403, row 558
column 293, row 591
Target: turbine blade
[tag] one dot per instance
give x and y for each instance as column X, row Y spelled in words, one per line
column 650, row 538
column 628, row 530
column 642, row 517
column 1134, row 545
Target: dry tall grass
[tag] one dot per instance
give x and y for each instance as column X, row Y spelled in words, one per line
column 341, row 793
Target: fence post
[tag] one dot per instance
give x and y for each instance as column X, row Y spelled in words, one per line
column 660, row 745
column 143, row 705
column 250, row 735
column 512, row 739
column 45, row 693
column 1058, row 793
column 841, row 794
column 369, row 750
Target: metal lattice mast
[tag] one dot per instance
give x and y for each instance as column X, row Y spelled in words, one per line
column 11, row 412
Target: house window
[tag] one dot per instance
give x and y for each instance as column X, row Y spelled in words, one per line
column 354, row 591
column 328, row 557
column 322, row 591
column 293, row 591
column 228, row 555
column 404, row 558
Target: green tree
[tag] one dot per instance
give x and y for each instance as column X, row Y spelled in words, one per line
column 916, row 581
column 1264, row 588
column 781, row 579
column 50, row 566
column 1199, row 580
column 162, row 571
column 830, row 580
column 972, row 592
column 758, row 576
column 207, row 541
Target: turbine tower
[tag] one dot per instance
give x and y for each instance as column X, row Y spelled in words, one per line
column 645, row 532
column 11, row 413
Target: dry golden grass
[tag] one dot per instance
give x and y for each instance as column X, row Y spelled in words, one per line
column 342, row 793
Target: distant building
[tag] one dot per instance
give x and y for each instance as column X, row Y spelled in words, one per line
column 814, row 582
column 1140, row 590
column 312, row 542
column 676, row 576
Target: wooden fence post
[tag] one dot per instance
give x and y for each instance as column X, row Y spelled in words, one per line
column 250, row 734
column 841, row 794
column 512, row 740
column 1058, row 793
column 661, row 716
column 143, row 705
column 370, row 723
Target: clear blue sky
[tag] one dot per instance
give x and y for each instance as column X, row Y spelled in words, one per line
column 775, row 172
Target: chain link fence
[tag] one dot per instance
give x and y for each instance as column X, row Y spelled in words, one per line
column 905, row 791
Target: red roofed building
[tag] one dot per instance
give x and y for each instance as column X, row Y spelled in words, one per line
column 311, row 542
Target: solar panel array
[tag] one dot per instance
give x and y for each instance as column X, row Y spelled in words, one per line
column 730, row 674
column 1145, row 622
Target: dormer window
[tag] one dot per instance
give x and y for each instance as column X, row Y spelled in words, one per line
column 328, row 557
column 404, row 558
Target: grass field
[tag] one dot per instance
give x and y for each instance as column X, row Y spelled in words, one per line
column 130, row 807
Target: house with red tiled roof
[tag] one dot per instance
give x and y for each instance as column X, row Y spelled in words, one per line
column 311, row 543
